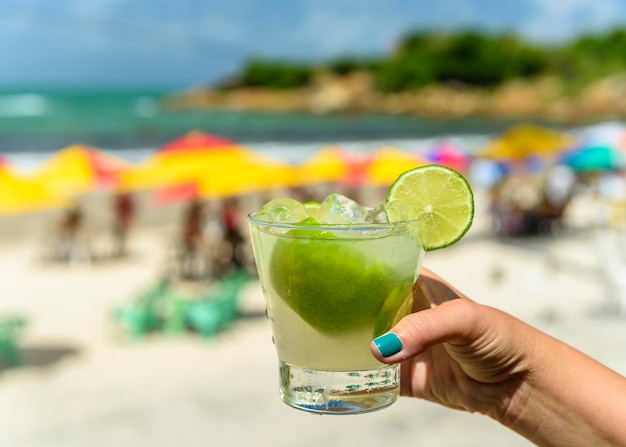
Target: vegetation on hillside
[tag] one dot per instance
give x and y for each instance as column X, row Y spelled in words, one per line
column 466, row 58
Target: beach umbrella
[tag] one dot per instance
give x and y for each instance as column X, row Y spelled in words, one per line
column 247, row 176
column 356, row 169
column 594, row 159
column 197, row 143
column 327, row 165
column 203, row 165
column 387, row 163
column 332, row 164
column 525, row 141
column 21, row 195
column 80, row 169
column 447, row 154
column 600, row 147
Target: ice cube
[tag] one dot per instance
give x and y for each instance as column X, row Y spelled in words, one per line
column 377, row 215
column 283, row 209
column 339, row 209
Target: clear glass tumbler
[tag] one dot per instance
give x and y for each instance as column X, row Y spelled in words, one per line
column 329, row 290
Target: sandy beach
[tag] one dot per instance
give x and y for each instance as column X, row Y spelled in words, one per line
column 82, row 383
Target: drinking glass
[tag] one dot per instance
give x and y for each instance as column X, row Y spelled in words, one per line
column 329, row 291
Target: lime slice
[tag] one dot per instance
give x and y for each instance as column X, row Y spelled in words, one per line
column 438, row 197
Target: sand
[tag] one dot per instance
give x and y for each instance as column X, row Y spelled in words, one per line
column 83, row 383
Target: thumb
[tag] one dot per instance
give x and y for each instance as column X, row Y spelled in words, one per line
column 415, row 333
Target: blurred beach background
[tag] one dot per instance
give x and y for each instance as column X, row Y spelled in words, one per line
column 120, row 124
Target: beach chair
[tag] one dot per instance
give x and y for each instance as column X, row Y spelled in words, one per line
column 209, row 314
column 10, row 329
column 230, row 294
column 174, row 313
column 219, row 308
column 205, row 317
column 143, row 314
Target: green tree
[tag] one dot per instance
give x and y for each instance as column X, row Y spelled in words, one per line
column 469, row 57
column 276, row 75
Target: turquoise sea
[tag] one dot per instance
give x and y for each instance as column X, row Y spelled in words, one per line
column 133, row 122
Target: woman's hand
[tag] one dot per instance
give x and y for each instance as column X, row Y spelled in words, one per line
column 456, row 352
column 472, row 357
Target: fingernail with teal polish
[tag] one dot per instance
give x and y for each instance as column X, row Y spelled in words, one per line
column 388, row 344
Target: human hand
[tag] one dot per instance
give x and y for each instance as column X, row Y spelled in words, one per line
column 472, row 357
column 456, row 352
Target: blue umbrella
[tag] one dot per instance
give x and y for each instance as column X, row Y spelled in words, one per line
column 594, row 158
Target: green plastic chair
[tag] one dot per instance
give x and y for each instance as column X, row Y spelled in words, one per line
column 205, row 317
column 143, row 314
column 174, row 310
column 229, row 296
column 136, row 319
column 10, row 329
column 219, row 307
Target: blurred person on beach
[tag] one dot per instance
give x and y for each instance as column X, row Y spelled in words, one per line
column 192, row 257
column 231, row 223
column 507, row 216
column 530, row 205
column 556, row 193
column 475, row 358
column 123, row 213
column 68, row 243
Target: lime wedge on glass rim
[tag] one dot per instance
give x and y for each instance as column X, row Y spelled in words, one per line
column 439, row 198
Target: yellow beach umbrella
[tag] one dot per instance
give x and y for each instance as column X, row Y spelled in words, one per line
column 179, row 161
column 215, row 165
column 387, row 163
column 246, row 176
column 325, row 166
column 20, row 195
column 79, row 169
column 525, row 141
column 242, row 171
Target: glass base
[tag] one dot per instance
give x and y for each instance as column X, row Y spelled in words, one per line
column 339, row 392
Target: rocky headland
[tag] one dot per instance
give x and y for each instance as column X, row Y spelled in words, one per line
column 546, row 98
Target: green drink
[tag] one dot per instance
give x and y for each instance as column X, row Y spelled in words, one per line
column 335, row 275
column 329, row 290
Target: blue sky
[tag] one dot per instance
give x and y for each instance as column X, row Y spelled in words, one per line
column 187, row 42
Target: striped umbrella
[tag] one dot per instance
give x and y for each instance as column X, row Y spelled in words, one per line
column 21, row 195
column 80, row 169
column 387, row 163
column 203, row 165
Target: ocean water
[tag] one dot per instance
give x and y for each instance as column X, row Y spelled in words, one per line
column 34, row 123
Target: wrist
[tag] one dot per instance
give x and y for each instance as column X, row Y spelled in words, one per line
column 558, row 401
